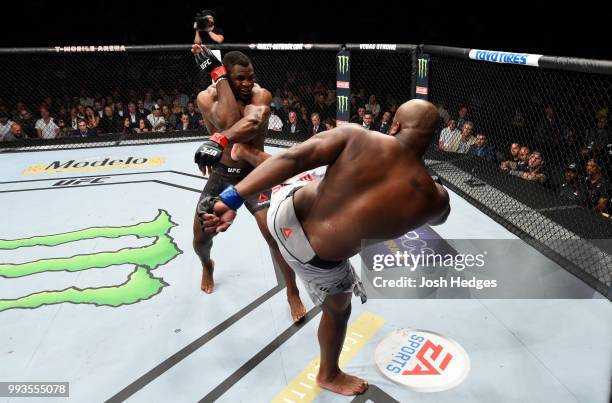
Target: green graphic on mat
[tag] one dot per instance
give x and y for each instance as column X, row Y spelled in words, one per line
column 140, row 285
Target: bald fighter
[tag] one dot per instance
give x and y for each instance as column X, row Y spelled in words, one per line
column 375, row 187
column 235, row 110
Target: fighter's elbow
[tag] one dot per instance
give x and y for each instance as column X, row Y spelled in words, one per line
column 442, row 215
column 293, row 157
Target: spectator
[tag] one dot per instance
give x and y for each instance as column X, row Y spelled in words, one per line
column 119, row 110
column 133, row 115
column 108, row 122
column 359, row 117
column 73, row 120
column 83, row 130
column 85, row 99
column 194, row 116
column 303, row 116
column 210, row 32
column 385, row 123
column 535, row 169
column 481, row 148
column 148, row 101
column 598, row 187
column 45, row 126
column 19, row 106
column 373, row 106
column 62, row 114
column 169, row 117
column 15, row 133
column 185, row 123
column 368, row 118
column 550, row 130
column 143, row 126
column 597, row 138
column 512, row 160
column 110, row 102
column 443, row 112
column 315, row 124
column 572, row 188
column 283, row 110
column 448, row 133
column 91, row 118
column 293, row 125
column 277, row 100
column 28, row 124
column 5, row 125
column 321, row 107
column 156, row 120
column 81, row 110
column 98, row 108
column 126, row 127
column 329, row 123
column 463, row 117
column 460, row 143
column 182, row 97
column 64, row 129
column 141, row 109
column 176, row 107
column 523, row 164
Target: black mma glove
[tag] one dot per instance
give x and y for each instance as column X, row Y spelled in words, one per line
column 211, row 150
column 209, row 63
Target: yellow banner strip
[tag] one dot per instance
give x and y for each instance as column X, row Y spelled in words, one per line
column 304, row 388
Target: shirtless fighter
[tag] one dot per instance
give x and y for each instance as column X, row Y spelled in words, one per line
column 375, row 187
column 236, row 110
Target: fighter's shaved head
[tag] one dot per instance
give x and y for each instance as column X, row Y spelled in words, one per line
column 415, row 123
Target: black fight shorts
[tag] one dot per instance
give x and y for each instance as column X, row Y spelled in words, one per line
column 222, row 176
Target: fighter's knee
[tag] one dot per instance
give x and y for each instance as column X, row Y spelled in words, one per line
column 202, row 243
column 339, row 308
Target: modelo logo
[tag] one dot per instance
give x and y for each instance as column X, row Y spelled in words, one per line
column 421, row 360
column 504, row 57
column 94, row 165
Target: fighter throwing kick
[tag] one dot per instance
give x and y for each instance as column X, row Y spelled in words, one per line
column 375, row 187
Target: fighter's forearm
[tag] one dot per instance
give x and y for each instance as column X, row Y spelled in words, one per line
column 271, row 172
column 321, row 149
column 227, row 110
column 249, row 126
column 250, row 154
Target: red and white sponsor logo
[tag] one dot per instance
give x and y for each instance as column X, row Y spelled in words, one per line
column 423, row 361
column 262, row 198
column 421, row 90
column 287, row 232
column 343, row 84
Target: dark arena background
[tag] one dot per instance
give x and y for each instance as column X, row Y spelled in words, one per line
column 100, row 295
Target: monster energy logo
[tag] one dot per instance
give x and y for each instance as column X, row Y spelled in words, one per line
column 343, row 64
column 423, row 68
column 140, row 285
column 342, row 103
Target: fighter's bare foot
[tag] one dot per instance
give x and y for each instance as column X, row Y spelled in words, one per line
column 343, row 384
column 208, row 284
column 298, row 310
